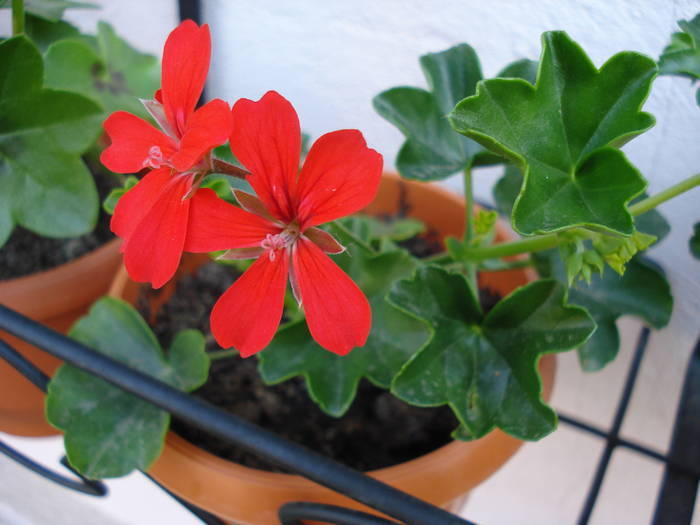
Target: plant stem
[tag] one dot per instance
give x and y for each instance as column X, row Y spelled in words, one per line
column 652, row 202
column 17, row 17
column 527, row 245
column 469, row 225
column 343, row 230
column 510, row 265
column 222, row 354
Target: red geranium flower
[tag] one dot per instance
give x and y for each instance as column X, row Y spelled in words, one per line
column 340, row 176
column 152, row 217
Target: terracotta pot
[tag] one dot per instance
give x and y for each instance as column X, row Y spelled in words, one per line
column 56, row 298
column 239, row 494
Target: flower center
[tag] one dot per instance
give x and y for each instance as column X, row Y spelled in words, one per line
column 280, row 241
column 154, row 159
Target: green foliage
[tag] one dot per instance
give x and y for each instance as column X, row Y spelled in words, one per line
column 51, row 10
column 576, row 177
column 45, row 32
column 105, row 69
column 682, row 55
column 432, row 149
column 108, row 432
column 331, row 379
column 46, row 186
column 694, row 242
column 642, row 291
column 485, row 366
column 111, row 201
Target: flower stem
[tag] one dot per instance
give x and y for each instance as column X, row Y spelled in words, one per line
column 652, row 202
column 469, row 225
column 17, row 17
column 506, row 249
column 347, row 233
column 222, row 354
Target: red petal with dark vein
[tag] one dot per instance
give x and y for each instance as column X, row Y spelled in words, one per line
column 152, row 252
column 340, row 176
column 247, row 315
column 337, row 312
column 186, row 58
column 217, row 225
column 135, row 144
column 208, row 127
column 266, row 139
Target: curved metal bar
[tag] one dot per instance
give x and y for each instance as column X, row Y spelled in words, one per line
column 23, row 366
column 84, row 485
column 292, row 456
column 292, row 513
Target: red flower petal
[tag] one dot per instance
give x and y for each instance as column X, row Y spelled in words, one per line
column 340, row 176
column 337, row 312
column 209, row 126
column 138, row 201
column 134, row 142
column 152, row 252
column 266, row 139
column 186, row 58
column 217, row 225
column 247, row 315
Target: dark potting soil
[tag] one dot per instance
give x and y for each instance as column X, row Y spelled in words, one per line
column 378, row 430
column 26, row 252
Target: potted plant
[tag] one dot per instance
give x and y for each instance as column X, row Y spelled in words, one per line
column 417, row 328
column 57, row 253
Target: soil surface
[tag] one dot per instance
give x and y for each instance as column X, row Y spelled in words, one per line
column 26, row 252
column 378, row 430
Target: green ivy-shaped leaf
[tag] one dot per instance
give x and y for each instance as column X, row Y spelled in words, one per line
column 432, row 149
column 563, row 133
column 694, row 242
column 45, row 32
column 49, row 9
column 110, row 71
column 108, row 432
column 46, row 187
column 642, row 291
column 331, row 379
column 485, row 367
column 682, row 55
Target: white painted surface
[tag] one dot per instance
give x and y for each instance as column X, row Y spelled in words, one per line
column 330, row 59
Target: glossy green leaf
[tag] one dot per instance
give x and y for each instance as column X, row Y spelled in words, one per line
column 682, row 55
column 576, row 177
column 45, row 32
column 485, row 368
column 642, row 291
column 694, row 242
column 432, row 149
column 108, row 432
column 49, row 9
column 331, row 379
column 43, row 132
column 112, row 73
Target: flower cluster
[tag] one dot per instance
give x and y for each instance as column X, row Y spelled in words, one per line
column 167, row 212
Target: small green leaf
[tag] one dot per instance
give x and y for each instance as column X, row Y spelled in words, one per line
column 108, row 432
column 523, row 68
column 694, row 242
column 43, row 132
column 576, row 177
column 221, row 184
column 110, row 202
column 331, row 379
column 51, row 10
column 642, row 291
column 485, row 368
column 112, row 73
column 682, row 55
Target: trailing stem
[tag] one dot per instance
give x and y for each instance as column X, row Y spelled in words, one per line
column 17, row 17
column 469, row 225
